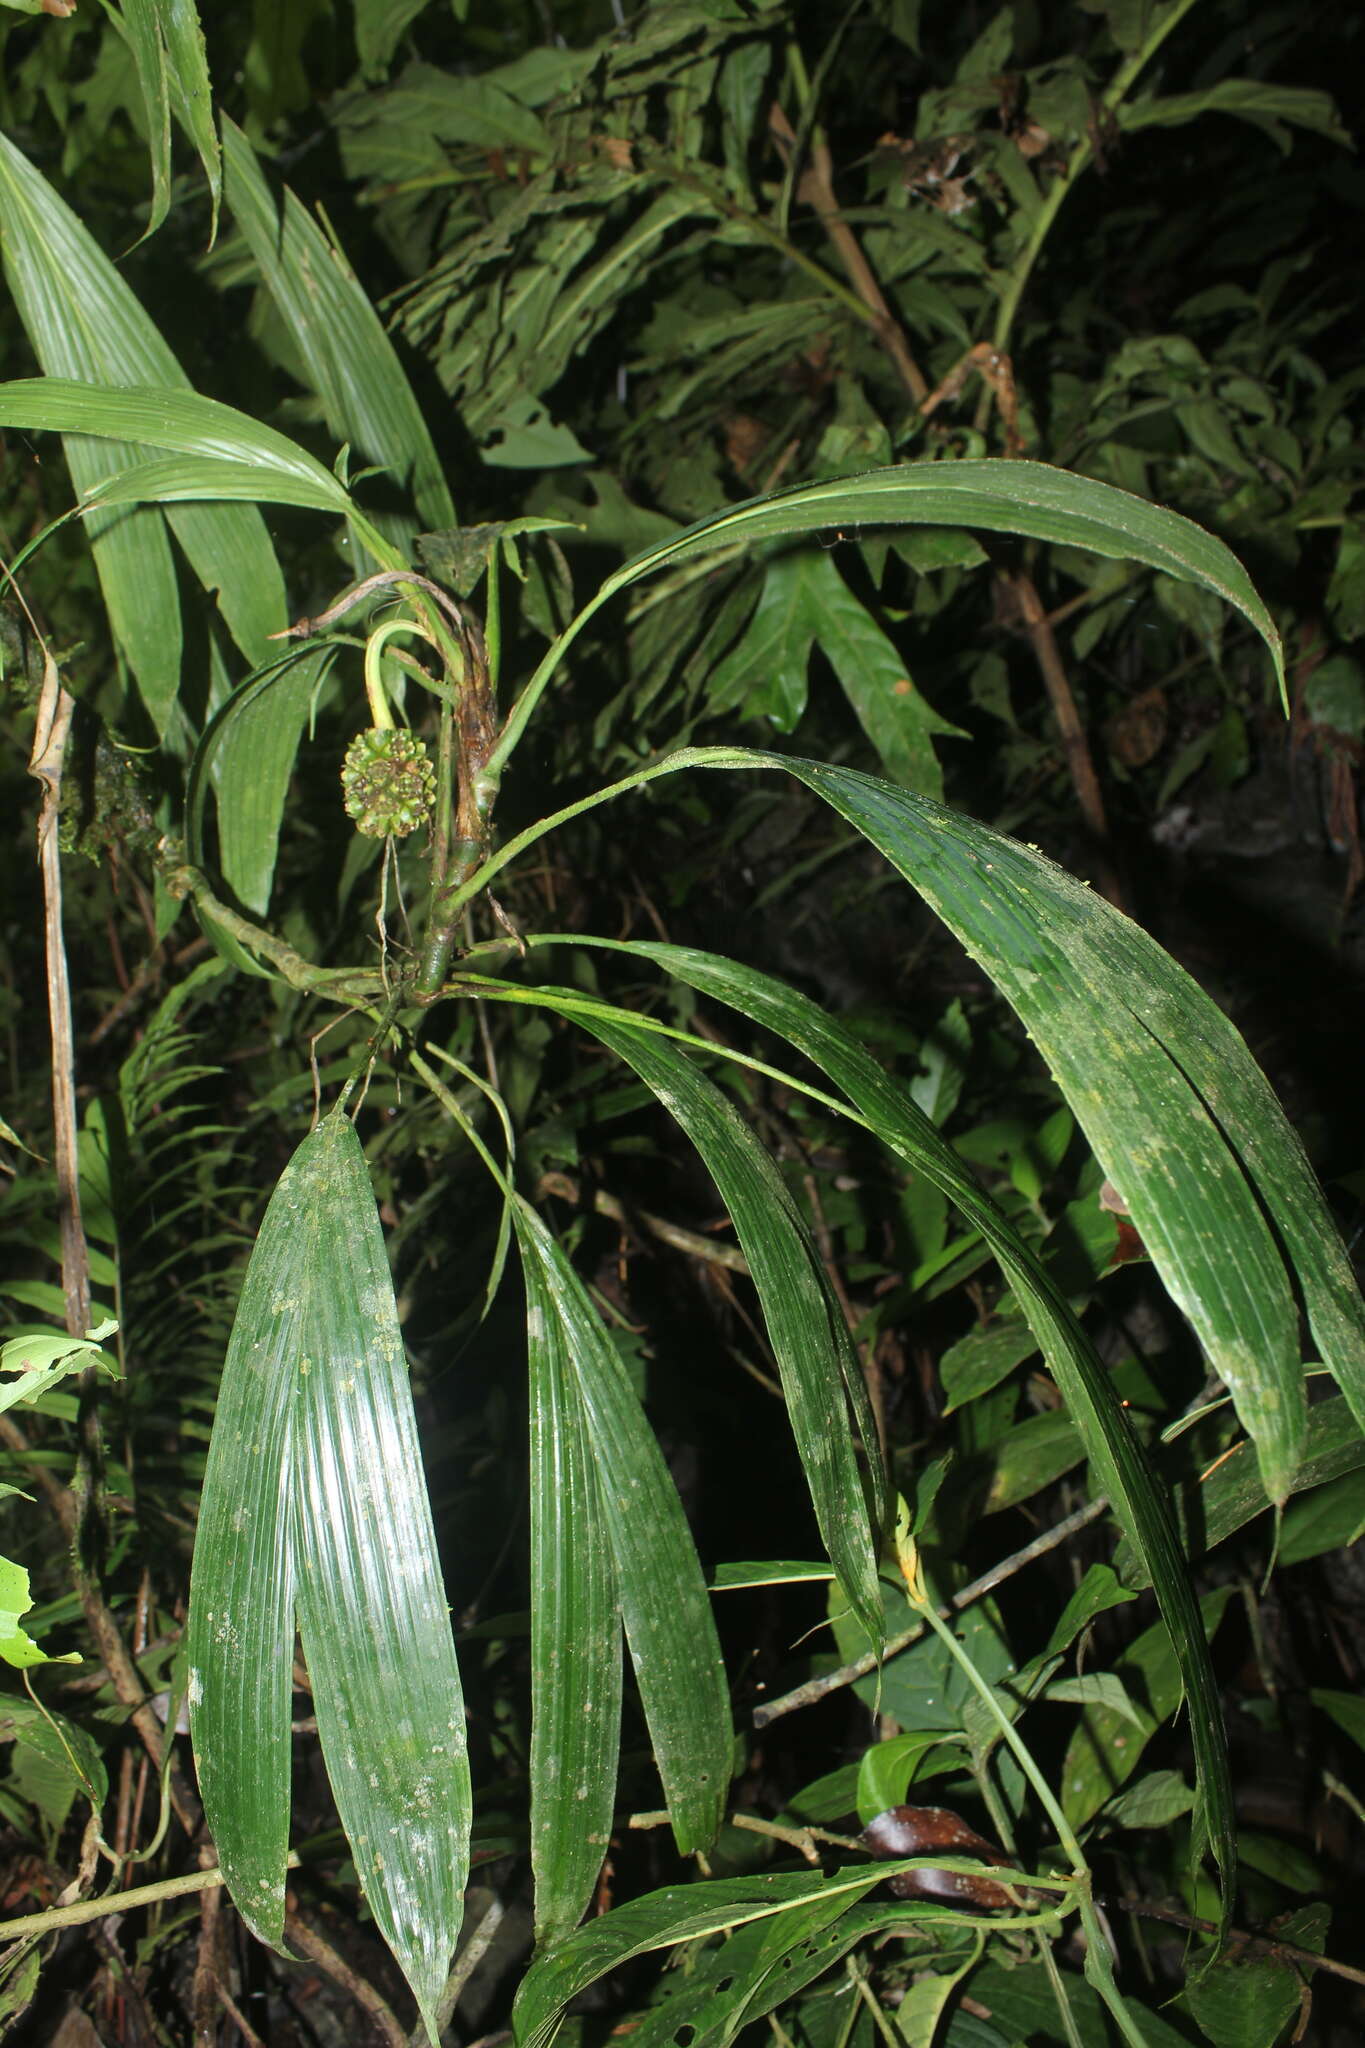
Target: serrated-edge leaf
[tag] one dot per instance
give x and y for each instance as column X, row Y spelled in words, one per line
column 575, row 1630
column 821, row 1376
column 372, row 1609
column 664, row 1603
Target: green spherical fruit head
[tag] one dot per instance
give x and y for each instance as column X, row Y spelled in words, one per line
column 388, row 783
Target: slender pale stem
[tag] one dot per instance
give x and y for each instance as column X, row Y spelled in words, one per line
column 1098, row 1966
column 1083, row 151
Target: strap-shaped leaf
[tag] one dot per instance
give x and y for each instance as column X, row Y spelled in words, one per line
column 664, row 1602
column 730, row 1984
column 182, row 479
column 575, row 1628
column 821, row 1376
column 1118, row 1462
column 246, row 755
column 1182, row 1120
column 240, row 1633
column 86, row 326
column 163, row 416
column 1001, row 496
column 314, row 1497
column 349, row 358
column 172, row 67
column 372, row 1607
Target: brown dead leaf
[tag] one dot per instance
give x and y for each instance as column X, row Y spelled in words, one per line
column 1136, row 734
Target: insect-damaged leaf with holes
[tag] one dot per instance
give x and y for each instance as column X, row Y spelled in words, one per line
column 314, row 1504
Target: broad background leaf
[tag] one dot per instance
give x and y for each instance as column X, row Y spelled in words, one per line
column 805, row 602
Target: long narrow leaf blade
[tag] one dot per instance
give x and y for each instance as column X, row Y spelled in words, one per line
column 249, row 748
column 66, row 292
column 1119, row 1465
column 676, row 1914
column 172, row 68
column 998, row 495
column 350, row 360
column 575, row 1630
column 181, row 479
column 191, row 90
column 664, row 1602
column 1001, row 496
column 821, row 1376
column 163, row 416
column 86, row 326
column 371, row 1604
column 240, row 1633
column 139, row 24
column 1119, row 1024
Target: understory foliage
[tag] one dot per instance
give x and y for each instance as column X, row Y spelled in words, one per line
column 685, row 675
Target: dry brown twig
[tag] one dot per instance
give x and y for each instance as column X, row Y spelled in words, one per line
column 1020, row 604
column 56, row 708
column 815, row 188
column 830, row 1681
column 306, row 1939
